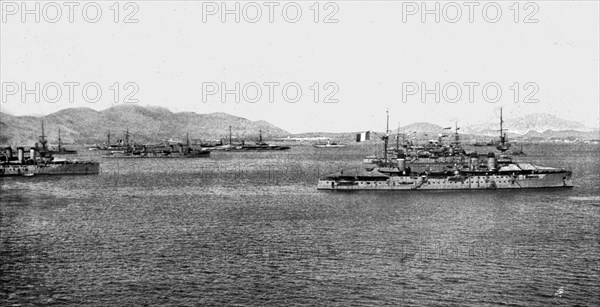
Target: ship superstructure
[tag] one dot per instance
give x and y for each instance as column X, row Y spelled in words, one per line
column 449, row 169
column 168, row 150
column 329, row 144
column 260, row 145
column 38, row 160
column 61, row 150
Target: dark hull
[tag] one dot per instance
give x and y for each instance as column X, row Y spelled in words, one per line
column 251, row 148
column 64, row 152
column 328, row 146
column 150, row 155
column 560, row 179
column 68, row 168
column 262, row 149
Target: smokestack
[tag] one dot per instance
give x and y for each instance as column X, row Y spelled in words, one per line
column 473, row 161
column 491, row 161
column 32, row 154
column 8, row 152
column 20, row 154
column 401, row 164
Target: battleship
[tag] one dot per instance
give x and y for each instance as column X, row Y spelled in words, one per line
column 61, row 150
column 451, row 168
column 40, row 161
column 158, row 151
column 120, row 147
column 161, row 151
column 329, row 144
column 258, row 146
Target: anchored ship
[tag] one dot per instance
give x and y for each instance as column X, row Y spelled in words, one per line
column 434, row 152
column 261, row 145
column 455, row 170
column 61, row 150
column 159, row 151
column 258, row 146
column 329, row 144
column 39, row 161
column 120, row 147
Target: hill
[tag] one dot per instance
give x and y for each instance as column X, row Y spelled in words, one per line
column 564, row 135
column 538, row 122
column 155, row 124
column 145, row 124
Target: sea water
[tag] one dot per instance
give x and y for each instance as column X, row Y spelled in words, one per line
column 251, row 229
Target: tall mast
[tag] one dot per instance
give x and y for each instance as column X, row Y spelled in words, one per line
column 398, row 139
column 456, row 137
column 387, row 121
column 59, row 141
column 229, row 135
column 43, row 138
column 501, row 131
column 127, row 138
column 385, row 138
column 260, row 135
column 503, row 145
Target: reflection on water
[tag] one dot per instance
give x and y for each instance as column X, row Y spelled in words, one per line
column 251, row 229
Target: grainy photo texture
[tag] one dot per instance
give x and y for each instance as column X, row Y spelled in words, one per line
column 299, row 153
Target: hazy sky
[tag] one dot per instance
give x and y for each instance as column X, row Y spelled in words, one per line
column 372, row 56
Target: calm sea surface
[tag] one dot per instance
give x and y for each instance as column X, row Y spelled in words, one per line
column 251, row 229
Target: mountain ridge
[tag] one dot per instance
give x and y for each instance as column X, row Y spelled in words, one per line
column 155, row 124
column 538, row 122
column 145, row 124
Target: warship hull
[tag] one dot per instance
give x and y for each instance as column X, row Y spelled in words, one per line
column 63, row 152
column 71, row 168
column 559, row 179
column 246, row 149
column 259, row 148
column 446, row 167
column 160, row 155
column 329, row 146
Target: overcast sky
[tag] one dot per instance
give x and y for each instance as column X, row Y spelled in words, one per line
column 367, row 56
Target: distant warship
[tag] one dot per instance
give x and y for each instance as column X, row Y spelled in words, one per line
column 120, row 147
column 329, row 144
column 39, row 161
column 158, row 151
column 448, row 168
column 61, row 150
column 258, row 146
